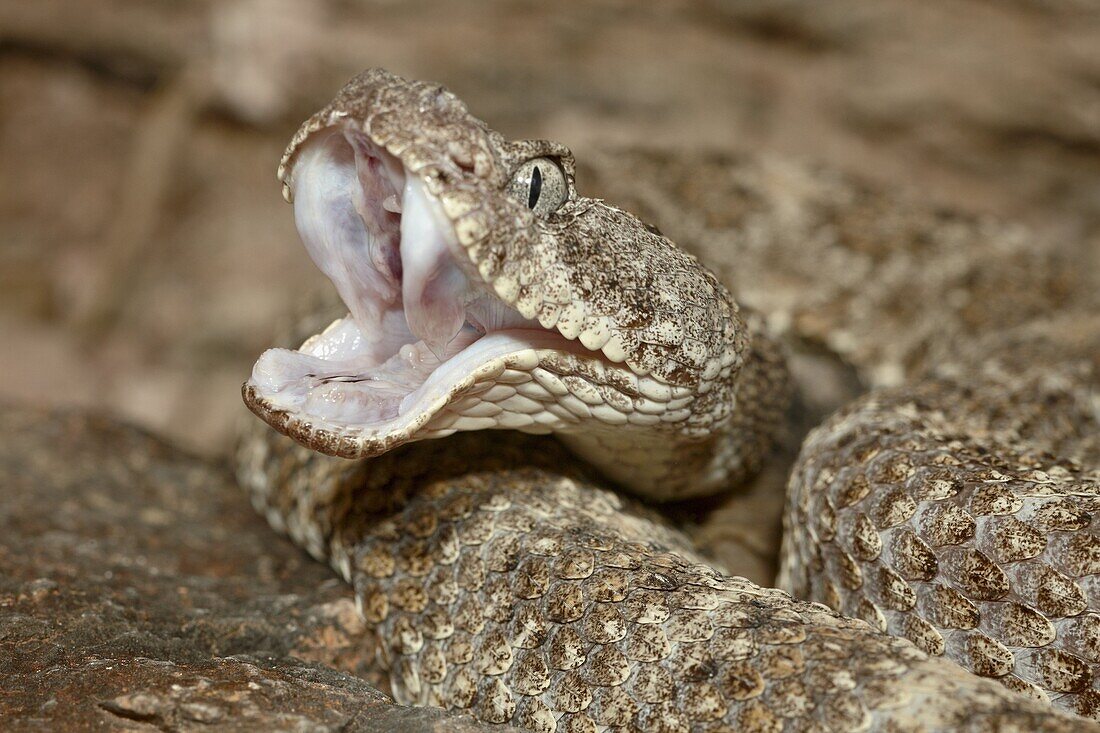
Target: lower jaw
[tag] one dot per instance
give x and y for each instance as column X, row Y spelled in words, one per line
column 332, row 395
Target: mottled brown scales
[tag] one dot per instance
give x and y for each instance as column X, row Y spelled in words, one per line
column 995, row 585
column 503, row 577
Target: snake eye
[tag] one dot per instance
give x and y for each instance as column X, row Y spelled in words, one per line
column 539, row 183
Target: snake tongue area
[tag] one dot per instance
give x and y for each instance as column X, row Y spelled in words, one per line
column 417, row 324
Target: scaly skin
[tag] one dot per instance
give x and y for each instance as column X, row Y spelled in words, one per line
column 988, row 340
column 963, row 512
column 499, row 582
column 501, row 574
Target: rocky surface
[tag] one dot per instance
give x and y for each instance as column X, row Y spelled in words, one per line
column 139, row 591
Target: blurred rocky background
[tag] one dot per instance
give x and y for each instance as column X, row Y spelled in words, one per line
column 144, row 246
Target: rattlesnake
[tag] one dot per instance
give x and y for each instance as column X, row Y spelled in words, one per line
column 503, row 575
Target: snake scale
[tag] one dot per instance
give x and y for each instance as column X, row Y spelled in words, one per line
column 950, row 518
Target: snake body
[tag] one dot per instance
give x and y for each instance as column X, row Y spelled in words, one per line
column 503, row 575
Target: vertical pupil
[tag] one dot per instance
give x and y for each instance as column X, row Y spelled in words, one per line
column 536, row 187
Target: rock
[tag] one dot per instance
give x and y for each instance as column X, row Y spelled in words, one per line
column 138, row 588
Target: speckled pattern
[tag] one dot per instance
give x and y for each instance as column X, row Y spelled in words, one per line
column 502, row 583
column 892, row 516
column 961, row 512
column 503, row 577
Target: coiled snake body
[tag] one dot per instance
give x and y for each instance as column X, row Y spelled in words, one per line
column 504, row 575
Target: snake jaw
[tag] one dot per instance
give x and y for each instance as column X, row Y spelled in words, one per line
column 421, row 328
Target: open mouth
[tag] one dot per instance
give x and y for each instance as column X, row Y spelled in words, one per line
column 419, row 323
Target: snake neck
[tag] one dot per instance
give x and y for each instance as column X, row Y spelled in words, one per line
column 670, row 465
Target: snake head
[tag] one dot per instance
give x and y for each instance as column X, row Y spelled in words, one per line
column 483, row 290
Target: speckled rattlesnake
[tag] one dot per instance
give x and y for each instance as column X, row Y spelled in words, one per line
column 502, row 575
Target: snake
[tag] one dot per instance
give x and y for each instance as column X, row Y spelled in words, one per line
column 480, row 441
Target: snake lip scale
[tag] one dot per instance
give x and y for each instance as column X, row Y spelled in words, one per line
column 505, row 575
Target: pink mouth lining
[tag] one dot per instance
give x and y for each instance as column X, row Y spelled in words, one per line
column 417, row 325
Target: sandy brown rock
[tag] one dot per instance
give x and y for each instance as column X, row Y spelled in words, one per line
column 138, row 589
